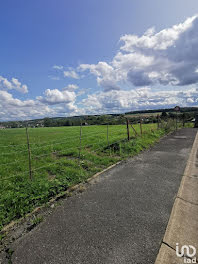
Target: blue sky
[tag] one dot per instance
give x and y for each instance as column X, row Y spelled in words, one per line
column 38, row 36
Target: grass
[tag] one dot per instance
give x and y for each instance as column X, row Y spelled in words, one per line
column 36, row 220
column 56, row 164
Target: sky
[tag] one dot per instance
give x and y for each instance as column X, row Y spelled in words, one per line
column 72, row 57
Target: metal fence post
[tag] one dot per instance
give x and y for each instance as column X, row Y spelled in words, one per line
column 128, row 135
column 141, row 126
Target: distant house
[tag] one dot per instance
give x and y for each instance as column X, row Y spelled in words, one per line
column 2, row 127
column 85, row 124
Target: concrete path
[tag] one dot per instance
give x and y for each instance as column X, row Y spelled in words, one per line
column 182, row 228
column 120, row 219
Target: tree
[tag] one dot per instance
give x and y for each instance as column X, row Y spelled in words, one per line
column 164, row 115
column 47, row 122
column 67, row 123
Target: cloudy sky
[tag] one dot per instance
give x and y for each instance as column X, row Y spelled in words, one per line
column 73, row 57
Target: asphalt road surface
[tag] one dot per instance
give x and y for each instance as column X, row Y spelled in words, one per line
column 119, row 219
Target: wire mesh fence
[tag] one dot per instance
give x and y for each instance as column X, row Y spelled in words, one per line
column 38, row 163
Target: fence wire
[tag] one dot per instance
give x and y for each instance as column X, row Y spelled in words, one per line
column 41, row 164
column 109, row 136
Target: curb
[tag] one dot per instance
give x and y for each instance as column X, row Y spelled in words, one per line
column 182, row 227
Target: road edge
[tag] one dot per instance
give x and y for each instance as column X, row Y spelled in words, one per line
column 183, row 222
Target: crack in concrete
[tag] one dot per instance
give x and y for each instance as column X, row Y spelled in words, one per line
column 163, row 242
column 192, row 176
column 186, row 201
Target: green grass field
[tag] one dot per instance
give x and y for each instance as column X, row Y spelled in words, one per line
column 55, row 161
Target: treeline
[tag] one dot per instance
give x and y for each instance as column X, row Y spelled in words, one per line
column 115, row 119
column 186, row 113
column 182, row 110
column 68, row 121
column 85, row 120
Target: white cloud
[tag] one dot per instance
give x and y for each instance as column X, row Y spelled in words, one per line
column 8, row 98
column 106, row 76
column 54, row 103
column 71, row 87
column 63, row 103
column 14, row 84
column 58, row 67
column 168, row 57
column 159, row 41
column 12, row 108
column 190, row 100
column 56, row 97
column 138, row 99
column 71, row 74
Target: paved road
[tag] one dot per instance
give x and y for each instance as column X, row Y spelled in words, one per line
column 120, row 219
